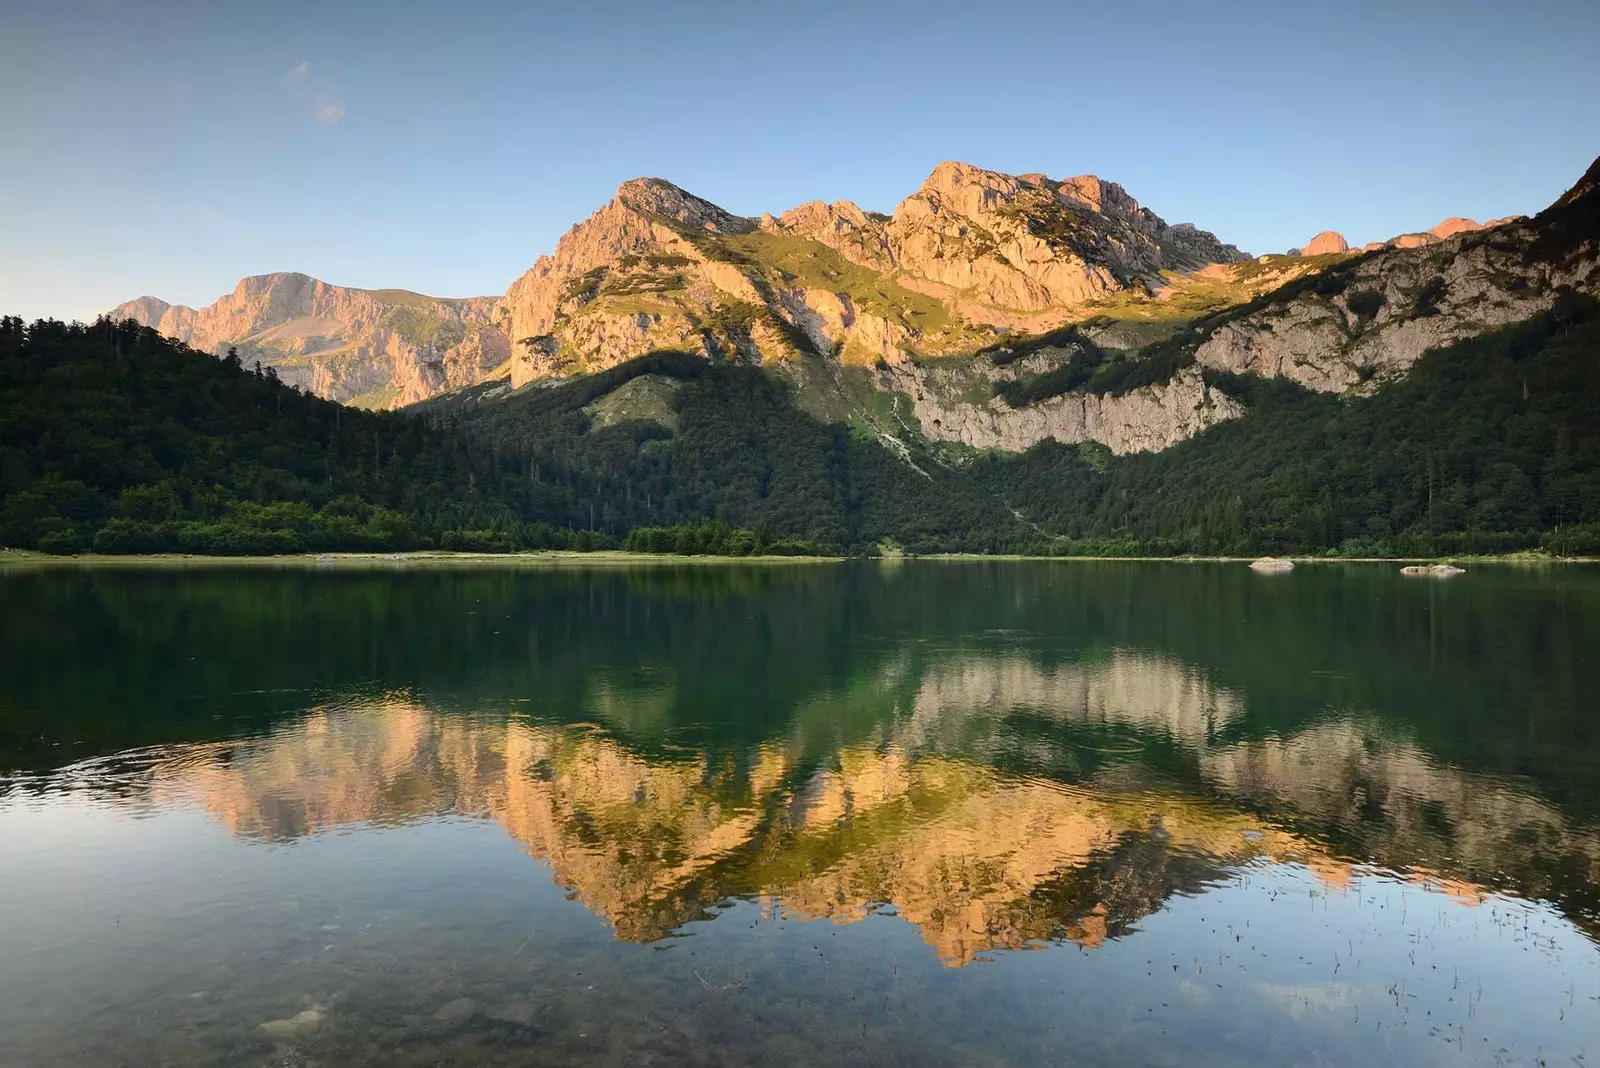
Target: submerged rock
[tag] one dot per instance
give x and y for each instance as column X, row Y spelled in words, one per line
column 459, row 1009
column 298, row 1024
column 518, row 1012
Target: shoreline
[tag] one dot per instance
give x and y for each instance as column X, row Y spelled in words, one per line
column 427, row 557
column 1525, row 558
column 564, row 558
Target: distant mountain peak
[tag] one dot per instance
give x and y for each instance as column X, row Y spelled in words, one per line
column 375, row 347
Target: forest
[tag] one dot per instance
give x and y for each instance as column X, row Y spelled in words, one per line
column 114, row 439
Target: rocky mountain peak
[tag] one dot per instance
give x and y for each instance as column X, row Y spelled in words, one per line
column 1454, row 225
column 1323, row 244
column 147, row 310
column 659, row 197
column 378, row 348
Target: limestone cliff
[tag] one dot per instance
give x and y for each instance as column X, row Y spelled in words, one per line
column 1143, row 420
column 376, row 348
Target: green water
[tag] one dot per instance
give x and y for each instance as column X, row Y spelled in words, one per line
column 919, row 813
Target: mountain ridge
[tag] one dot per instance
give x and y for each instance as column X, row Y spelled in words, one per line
column 374, row 347
column 969, row 255
column 987, row 311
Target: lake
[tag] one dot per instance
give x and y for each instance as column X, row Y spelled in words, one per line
column 886, row 813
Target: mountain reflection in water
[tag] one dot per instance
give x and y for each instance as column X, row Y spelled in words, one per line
column 976, row 858
column 987, row 761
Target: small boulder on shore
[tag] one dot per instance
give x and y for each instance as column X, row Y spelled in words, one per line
column 1272, row 565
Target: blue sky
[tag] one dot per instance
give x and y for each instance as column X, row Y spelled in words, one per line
column 172, row 147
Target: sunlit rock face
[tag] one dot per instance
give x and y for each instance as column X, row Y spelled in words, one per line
column 378, row 348
column 969, row 251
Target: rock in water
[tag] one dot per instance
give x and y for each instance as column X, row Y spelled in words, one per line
column 289, row 1027
column 1272, row 565
column 459, row 1009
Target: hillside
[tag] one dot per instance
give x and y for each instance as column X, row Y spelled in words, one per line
column 116, row 438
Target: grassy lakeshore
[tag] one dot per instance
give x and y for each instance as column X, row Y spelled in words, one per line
column 1525, row 557
column 429, row 558
column 558, row 558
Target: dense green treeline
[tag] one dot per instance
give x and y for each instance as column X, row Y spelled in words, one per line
column 116, row 439
column 714, row 539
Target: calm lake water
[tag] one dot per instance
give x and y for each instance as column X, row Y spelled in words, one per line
column 901, row 814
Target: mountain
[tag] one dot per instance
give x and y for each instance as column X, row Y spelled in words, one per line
column 971, row 254
column 376, row 348
column 1403, row 400
column 974, row 263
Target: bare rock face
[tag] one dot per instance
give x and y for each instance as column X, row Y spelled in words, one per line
column 1453, row 226
column 1413, row 240
column 1329, row 241
column 378, row 348
column 970, row 251
column 1030, row 242
column 1394, row 306
column 1144, row 420
column 842, row 226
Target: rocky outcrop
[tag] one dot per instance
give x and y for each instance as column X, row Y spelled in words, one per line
column 1329, row 241
column 1375, row 320
column 1453, row 226
column 379, row 348
column 1030, row 242
column 842, row 226
column 1143, row 420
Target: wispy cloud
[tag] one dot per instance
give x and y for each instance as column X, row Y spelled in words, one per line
column 322, row 96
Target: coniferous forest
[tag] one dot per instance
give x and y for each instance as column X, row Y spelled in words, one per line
column 114, row 439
